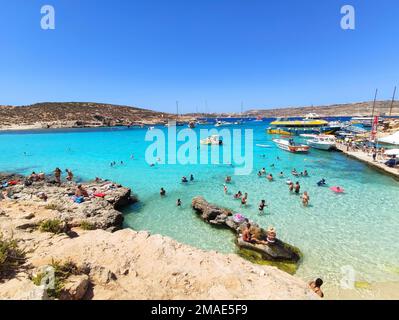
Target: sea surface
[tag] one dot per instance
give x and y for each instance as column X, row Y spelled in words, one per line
column 358, row 229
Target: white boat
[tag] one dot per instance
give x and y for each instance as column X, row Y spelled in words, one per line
column 308, row 135
column 289, row 145
column 222, row 123
column 151, row 128
column 212, row 140
column 323, row 142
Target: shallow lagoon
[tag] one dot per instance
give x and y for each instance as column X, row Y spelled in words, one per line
column 358, row 228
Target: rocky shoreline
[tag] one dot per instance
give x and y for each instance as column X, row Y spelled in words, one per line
column 100, row 261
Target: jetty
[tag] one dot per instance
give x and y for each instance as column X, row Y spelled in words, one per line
column 368, row 159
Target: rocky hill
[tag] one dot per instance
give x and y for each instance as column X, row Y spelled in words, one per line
column 348, row 109
column 77, row 114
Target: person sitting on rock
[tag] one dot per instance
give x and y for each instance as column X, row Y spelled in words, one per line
column 271, row 235
column 81, row 192
column 57, row 175
column 315, row 286
column 246, row 233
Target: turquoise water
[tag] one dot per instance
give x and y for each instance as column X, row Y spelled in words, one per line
column 358, row 228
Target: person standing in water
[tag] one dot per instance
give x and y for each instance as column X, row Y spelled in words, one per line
column 262, row 206
column 297, row 187
column 178, row 202
column 225, row 189
column 191, row 177
column 69, row 175
column 305, row 199
column 57, row 175
column 162, row 192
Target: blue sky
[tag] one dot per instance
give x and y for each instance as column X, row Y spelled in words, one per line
column 200, row 52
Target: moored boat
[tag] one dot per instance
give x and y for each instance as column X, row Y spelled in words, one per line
column 289, row 145
column 308, row 125
column 212, row 140
column 323, row 142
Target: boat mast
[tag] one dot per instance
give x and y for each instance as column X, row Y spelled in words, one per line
column 375, row 99
column 177, row 110
column 393, row 100
column 242, row 108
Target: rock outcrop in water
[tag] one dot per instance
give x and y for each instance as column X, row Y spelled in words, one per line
column 99, row 212
column 277, row 251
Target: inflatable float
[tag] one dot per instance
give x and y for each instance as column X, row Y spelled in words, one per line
column 337, row 189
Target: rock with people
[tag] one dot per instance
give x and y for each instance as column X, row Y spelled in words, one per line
column 249, row 235
column 96, row 202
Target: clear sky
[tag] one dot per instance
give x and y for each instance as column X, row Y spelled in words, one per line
column 150, row 53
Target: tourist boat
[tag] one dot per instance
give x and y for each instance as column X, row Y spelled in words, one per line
column 289, row 145
column 222, row 123
column 212, row 140
column 364, row 121
column 259, row 119
column 323, row 142
column 311, row 124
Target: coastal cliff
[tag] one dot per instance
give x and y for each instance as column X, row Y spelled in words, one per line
column 78, row 115
column 124, row 264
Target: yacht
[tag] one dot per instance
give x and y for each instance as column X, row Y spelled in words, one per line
column 212, row 140
column 323, row 142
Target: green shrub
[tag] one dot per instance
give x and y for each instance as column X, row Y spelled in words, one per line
column 11, row 257
column 85, row 225
column 52, row 225
column 61, row 272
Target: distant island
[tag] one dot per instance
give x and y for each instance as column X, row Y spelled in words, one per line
column 88, row 114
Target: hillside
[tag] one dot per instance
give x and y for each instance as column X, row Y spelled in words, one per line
column 77, row 114
column 348, row 109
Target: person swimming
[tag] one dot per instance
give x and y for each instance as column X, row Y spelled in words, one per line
column 262, row 205
column 294, row 172
column 244, row 199
column 322, row 182
column 281, row 175
column 225, row 189
column 178, row 203
column 259, row 174
column 238, row 195
column 270, row 177
column 162, row 192
column 184, row 179
column 305, row 173
column 227, row 179
column 263, row 171
column 191, row 177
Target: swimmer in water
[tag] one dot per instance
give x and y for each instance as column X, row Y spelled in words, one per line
column 184, row 179
column 291, row 186
column 259, row 174
column 178, row 203
column 262, row 206
column 263, row 171
column 191, row 177
column 281, row 175
column 305, row 199
column 225, row 189
column 162, row 192
column 270, row 177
